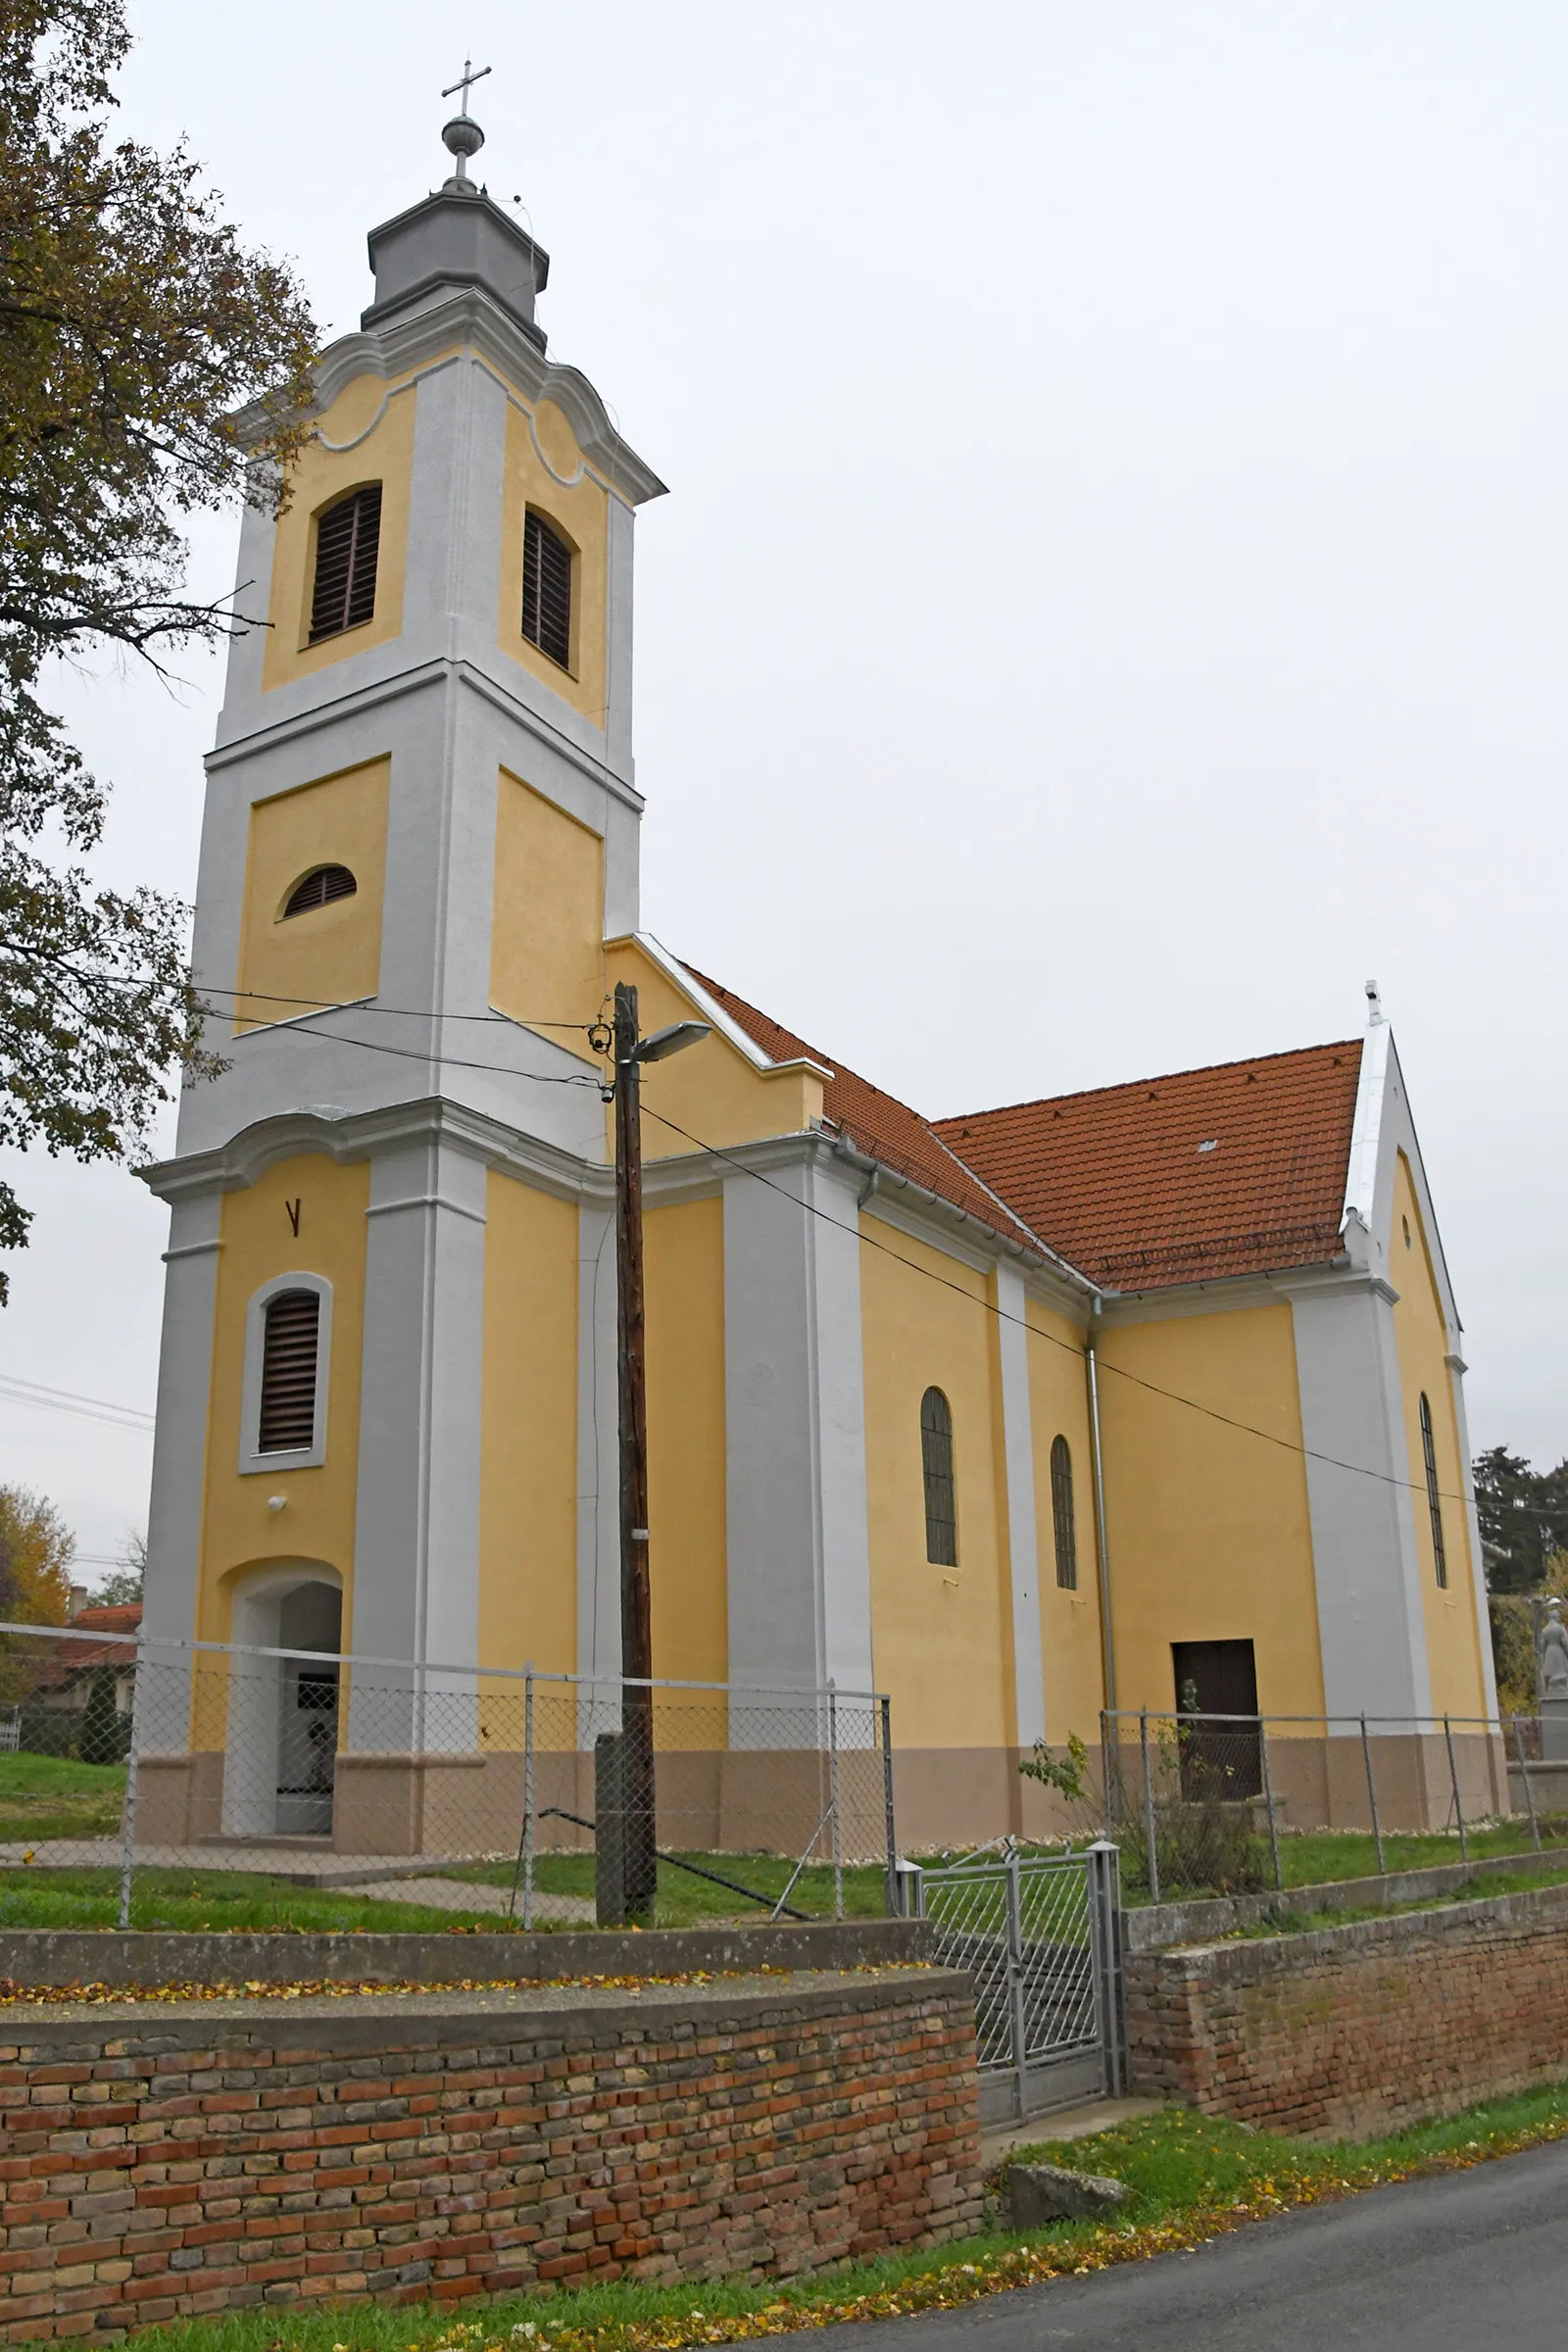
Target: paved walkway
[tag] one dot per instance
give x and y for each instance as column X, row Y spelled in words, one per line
column 1456, row 2264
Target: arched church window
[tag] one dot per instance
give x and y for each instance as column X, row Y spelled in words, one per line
column 320, row 888
column 1062, row 1515
column 941, row 1502
column 347, row 537
column 289, row 1348
column 1429, row 1454
column 546, row 589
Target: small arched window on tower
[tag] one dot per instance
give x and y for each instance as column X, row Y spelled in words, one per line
column 935, row 1459
column 318, row 887
column 1062, row 1515
column 290, row 1338
column 1429, row 1455
column 546, row 589
column 347, row 537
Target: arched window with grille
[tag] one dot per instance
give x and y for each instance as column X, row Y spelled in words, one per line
column 348, row 538
column 1064, row 1525
column 1429, row 1455
column 320, row 888
column 290, row 1350
column 546, row 589
column 940, row 1500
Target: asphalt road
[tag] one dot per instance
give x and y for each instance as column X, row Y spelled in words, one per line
column 1469, row 2262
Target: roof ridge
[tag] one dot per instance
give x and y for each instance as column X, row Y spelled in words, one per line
column 1123, row 1086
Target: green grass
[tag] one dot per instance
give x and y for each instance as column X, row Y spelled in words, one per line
column 1316, row 1857
column 54, row 1797
column 1192, row 2177
column 685, row 1900
column 210, row 1899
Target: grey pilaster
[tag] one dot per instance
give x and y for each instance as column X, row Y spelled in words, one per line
column 799, row 1557
column 416, row 1519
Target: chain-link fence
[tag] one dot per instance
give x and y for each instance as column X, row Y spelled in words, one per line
column 222, row 1785
column 1236, row 1803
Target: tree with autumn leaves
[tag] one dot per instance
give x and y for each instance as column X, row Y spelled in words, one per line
column 133, row 322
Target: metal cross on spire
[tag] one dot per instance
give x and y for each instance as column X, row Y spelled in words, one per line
column 465, row 80
column 462, row 136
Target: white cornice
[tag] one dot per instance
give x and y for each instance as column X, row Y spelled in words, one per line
column 1237, row 1292
column 425, row 674
column 468, row 317
column 712, row 1012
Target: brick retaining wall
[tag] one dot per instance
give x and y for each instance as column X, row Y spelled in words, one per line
column 1358, row 2028
column 167, row 2160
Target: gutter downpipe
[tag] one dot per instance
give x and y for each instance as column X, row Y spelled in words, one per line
column 1108, row 1640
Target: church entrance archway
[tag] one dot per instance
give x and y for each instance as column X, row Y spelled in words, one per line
column 281, row 1759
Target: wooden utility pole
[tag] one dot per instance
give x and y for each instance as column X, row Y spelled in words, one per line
column 639, row 1862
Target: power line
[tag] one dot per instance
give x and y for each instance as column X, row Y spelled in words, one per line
column 716, row 1151
column 401, row 1013
column 1210, row 1412
column 66, row 1400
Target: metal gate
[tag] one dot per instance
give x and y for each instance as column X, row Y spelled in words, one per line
column 1039, row 1935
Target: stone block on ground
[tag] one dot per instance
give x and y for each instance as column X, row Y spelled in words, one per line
column 1036, row 2194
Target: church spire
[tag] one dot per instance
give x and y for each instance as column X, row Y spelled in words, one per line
column 462, row 136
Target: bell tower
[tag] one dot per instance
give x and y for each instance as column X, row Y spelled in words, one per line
column 421, row 826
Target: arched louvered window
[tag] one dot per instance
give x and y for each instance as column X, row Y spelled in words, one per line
column 320, row 888
column 289, row 1348
column 936, row 1458
column 347, row 537
column 1062, row 1515
column 546, row 589
column 1429, row 1454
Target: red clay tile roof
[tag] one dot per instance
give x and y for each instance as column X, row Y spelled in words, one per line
column 72, row 1659
column 1118, row 1182
column 875, row 1124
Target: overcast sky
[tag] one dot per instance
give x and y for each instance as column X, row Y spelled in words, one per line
column 1111, row 598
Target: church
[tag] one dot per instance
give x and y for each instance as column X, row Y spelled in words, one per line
column 1104, row 1400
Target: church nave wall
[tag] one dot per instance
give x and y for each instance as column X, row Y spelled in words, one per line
column 942, row 1632
column 1208, row 1525
column 1069, row 1618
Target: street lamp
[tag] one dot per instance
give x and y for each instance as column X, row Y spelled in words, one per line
column 632, row 1756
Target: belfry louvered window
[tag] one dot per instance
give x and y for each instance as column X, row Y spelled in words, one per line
column 546, row 589
column 1062, row 1515
column 1429, row 1454
column 320, row 888
column 940, row 1500
column 289, row 1348
column 347, row 537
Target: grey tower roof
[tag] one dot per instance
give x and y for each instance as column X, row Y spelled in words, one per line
column 458, row 237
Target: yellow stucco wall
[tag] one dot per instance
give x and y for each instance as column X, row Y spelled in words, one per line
column 528, row 1430
column 942, row 1636
column 547, row 939
column 331, row 954
column 713, row 1091
column 684, row 1279
column 540, row 447
column 383, row 412
column 1207, row 1525
column 1070, row 1620
column 240, row 1533
column 1453, row 1656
